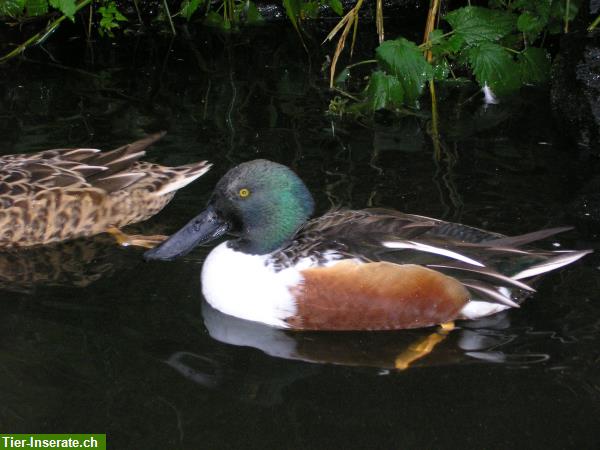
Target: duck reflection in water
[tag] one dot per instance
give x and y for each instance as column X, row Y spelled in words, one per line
column 481, row 342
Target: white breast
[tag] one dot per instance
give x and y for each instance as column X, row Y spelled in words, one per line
column 245, row 286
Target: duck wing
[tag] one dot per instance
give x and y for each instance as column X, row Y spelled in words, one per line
column 491, row 265
column 75, row 168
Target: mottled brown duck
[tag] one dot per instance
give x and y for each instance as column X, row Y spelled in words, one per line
column 61, row 194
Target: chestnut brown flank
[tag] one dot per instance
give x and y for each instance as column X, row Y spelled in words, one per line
column 375, row 296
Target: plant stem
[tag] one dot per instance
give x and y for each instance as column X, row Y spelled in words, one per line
column 169, row 17
column 435, row 132
column 594, row 24
column 567, row 5
column 89, row 29
column 434, row 8
column 379, row 21
column 425, row 45
column 40, row 36
column 137, row 10
column 367, row 61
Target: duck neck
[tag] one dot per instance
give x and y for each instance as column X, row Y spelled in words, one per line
column 272, row 228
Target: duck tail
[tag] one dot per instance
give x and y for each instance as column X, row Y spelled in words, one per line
column 562, row 259
column 527, row 238
column 185, row 175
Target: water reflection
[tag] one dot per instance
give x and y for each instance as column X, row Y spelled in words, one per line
column 76, row 263
column 476, row 341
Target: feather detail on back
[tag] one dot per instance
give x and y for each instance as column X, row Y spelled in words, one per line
column 61, row 194
column 490, row 265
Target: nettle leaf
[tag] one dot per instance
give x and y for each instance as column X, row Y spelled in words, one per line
column 447, row 45
column 67, row 7
column 384, row 91
column 535, row 65
column 441, row 69
column 189, row 7
column 540, row 8
column 531, row 23
column 11, row 8
column 337, row 7
column 253, row 15
column 476, row 24
column 293, row 9
column 495, row 67
column 36, row 7
column 404, row 60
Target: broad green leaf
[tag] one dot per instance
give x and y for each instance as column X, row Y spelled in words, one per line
column 292, row 9
column 535, row 65
column 446, row 45
column 189, row 7
column 558, row 9
column 384, row 91
column 342, row 77
column 11, row 8
column 403, row 59
column 530, row 23
column 495, row 67
column 476, row 24
column 337, row 7
column 214, row 19
column 67, row 7
column 441, row 69
column 36, row 7
column 309, row 9
column 539, row 8
column 253, row 15
column 436, row 36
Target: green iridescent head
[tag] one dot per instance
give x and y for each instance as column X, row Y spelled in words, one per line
column 261, row 202
column 265, row 202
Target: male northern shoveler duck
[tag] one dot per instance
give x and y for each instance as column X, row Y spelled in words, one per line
column 55, row 195
column 371, row 269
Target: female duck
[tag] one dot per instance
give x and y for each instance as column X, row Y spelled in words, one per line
column 370, row 269
column 55, row 195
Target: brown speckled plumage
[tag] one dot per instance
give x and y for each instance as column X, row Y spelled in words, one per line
column 55, row 195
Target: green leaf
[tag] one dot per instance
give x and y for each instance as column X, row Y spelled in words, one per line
column 403, row 59
column 495, row 67
column 441, row 69
column 67, row 7
column 37, row 7
column 337, row 7
column 214, row 19
column 11, row 8
column 531, row 23
column 539, row 8
column 342, row 77
column 189, row 7
column 253, row 15
column 447, row 45
column 292, row 9
column 476, row 24
column 384, row 91
column 535, row 65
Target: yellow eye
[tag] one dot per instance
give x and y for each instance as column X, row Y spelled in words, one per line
column 244, row 192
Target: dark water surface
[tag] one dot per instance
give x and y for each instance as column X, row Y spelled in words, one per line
column 93, row 339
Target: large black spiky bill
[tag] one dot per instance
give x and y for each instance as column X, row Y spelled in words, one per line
column 205, row 227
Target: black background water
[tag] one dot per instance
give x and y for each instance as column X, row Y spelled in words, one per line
column 93, row 339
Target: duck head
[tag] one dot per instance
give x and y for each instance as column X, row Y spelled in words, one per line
column 260, row 202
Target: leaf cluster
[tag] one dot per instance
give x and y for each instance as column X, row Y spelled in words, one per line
column 32, row 8
column 501, row 46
